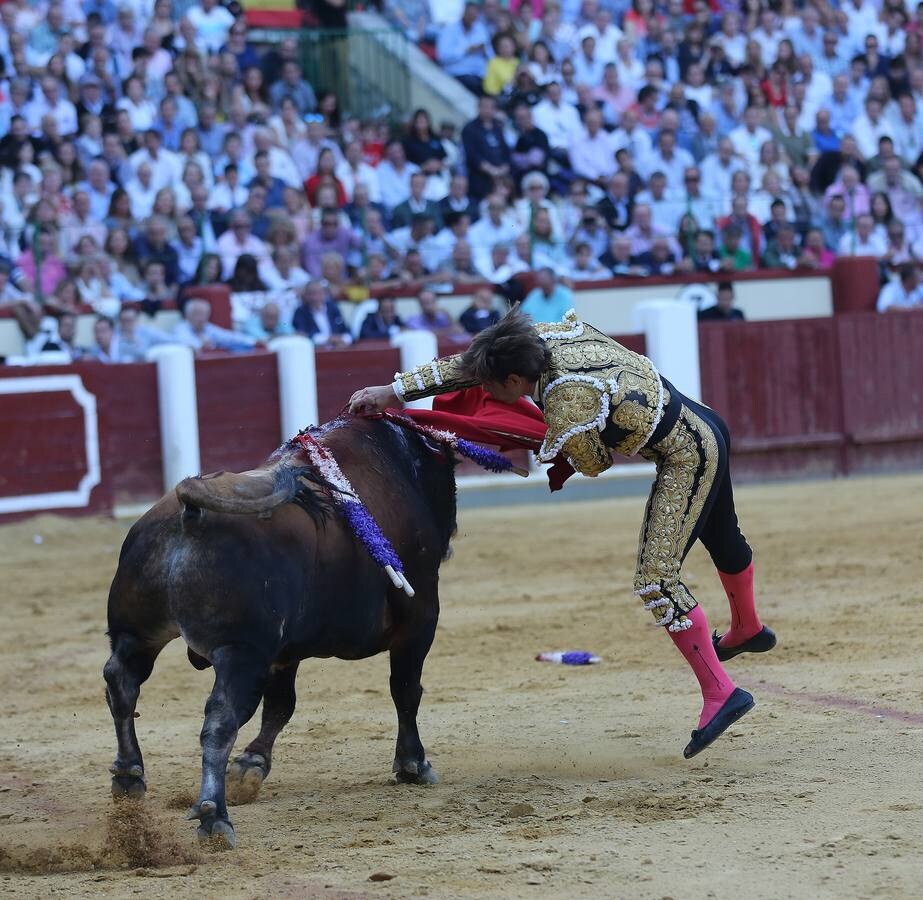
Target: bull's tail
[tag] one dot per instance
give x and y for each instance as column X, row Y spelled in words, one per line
column 254, row 493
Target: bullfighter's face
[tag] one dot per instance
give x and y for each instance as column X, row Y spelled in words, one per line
column 511, row 390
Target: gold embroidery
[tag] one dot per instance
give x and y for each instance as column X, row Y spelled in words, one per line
column 613, row 375
column 616, row 368
column 573, row 410
column 449, row 379
column 587, row 453
column 673, row 509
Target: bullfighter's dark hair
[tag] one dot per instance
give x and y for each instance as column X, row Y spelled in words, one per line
column 511, row 347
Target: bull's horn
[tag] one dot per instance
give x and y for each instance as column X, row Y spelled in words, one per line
column 247, row 493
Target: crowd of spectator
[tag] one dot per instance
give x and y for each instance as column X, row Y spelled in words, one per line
column 147, row 147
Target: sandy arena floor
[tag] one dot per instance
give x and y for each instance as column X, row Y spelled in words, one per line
column 557, row 782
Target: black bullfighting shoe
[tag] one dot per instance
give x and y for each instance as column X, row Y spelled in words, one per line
column 735, row 707
column 759, row 643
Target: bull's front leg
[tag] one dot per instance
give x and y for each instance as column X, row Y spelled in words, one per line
column 240, row 676
column 407, row 657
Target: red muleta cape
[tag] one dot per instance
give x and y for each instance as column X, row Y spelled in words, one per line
column 476, row 416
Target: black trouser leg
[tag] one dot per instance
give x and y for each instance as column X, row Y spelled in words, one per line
column 718, row 528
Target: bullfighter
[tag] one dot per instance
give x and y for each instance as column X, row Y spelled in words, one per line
column 598, row 397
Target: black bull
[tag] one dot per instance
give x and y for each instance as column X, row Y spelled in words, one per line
column 252, row 595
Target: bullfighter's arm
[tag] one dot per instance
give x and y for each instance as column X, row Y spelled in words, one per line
column 576, row 410
column 437, row 377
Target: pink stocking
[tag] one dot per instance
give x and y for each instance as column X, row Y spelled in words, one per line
column 695, row 644
column 744, row 619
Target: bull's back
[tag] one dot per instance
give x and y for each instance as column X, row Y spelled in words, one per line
column 277, row 582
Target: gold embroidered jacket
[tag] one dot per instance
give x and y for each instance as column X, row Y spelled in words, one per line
column 596, row 394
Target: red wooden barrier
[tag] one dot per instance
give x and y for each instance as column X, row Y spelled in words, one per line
column 882, row 377
column 342, row 372
column 802, row 397
column 777, row 386
column 854, row 284
column 238, row 403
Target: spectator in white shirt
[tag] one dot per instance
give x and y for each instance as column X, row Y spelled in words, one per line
column 584, row 266
column 559, row 120
column 750, row 136
column 864, row 241
column 665, row 211
column 229, row 193
column 718, row 170
column 862, row 18
column 418, row 235
column 282, row 272
column 141, row 111
column 907, row 129
column 196, row 331
column 281, row 164
column 806, row 34
column 500, row 265
column 667, row 158
column 353, row 170
column 631, row 69
column 491, row 229
column 642, row 232
column 631, row 136
column 142, row 191
column 50, row 102
column 166, row 167
column 767, row 35
column 902, row 293
column 212, row 24
column 732, row 40
column 394, row 175
column 123, row 35
column 588, row 67
column 818, row 85
column 869, row 127
column 189, row 249
column 591, row 155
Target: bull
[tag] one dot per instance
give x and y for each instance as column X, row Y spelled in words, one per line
column 258, row 571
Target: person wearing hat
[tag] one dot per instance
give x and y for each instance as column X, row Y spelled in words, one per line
column 598, row 397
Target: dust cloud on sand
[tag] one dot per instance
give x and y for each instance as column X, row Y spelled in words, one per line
column 557, row 782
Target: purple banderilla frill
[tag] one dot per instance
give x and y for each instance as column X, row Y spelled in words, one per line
column 360, row 520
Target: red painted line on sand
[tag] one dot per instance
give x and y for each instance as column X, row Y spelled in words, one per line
column 841, row 701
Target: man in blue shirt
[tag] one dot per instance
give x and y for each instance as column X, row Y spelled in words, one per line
column 462, row 48
column 548, row 301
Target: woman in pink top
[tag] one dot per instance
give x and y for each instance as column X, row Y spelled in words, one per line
column 815, row 254
column 44, row 267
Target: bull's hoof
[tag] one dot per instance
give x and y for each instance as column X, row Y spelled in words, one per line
column 412, row 772
column 213, row 832
column 245, row 777
column 127, row 781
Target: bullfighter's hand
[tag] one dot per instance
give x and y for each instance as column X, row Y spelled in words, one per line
column 372, row 400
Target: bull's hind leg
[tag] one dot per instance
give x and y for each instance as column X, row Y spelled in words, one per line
column 410, row 763
column 247, row 773
column 240, row 676
column 127, row 669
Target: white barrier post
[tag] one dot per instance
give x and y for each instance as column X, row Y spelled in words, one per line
column 179, row 416
column 297, row 383
column 672, row 333
column 417, row 347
